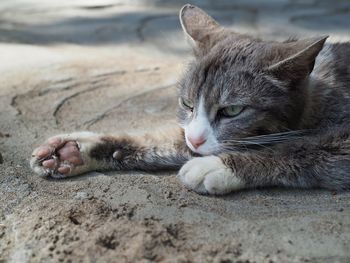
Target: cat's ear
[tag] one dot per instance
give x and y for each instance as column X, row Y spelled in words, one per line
column 201, row 30
column 298, row 66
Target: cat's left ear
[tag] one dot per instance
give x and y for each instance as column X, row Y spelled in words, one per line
column 201, row 29
column 298, row 66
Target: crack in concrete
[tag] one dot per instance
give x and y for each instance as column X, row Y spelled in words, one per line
column 60, row 104
column 101, row 116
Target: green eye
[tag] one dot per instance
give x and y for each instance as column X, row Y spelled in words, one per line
column 232, row 111
column 186, row 103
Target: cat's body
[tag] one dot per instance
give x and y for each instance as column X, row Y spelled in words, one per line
column 252, row 114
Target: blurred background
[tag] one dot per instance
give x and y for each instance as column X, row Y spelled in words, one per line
column 116, row 22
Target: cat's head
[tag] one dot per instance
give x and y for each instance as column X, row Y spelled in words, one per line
column 238, row 86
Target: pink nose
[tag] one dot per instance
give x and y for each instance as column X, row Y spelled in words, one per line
column 196, row 142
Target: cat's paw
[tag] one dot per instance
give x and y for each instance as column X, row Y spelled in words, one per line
column 209, row 175
column 64, row 155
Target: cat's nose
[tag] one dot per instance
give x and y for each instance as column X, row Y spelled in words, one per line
column 196, row 142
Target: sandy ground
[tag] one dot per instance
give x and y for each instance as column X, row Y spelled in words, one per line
column 112, row 66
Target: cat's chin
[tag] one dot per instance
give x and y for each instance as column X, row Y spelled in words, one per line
column 202, row 152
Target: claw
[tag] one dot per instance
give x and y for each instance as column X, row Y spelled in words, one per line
column 58, row 175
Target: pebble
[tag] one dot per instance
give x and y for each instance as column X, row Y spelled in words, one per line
column 81, row 195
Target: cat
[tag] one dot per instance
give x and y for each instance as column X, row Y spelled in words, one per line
column 251, row 113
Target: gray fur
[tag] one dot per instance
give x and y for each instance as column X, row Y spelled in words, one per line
column 298, row 85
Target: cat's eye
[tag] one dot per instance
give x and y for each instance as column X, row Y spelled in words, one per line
column 186, row 103
column 231, row 111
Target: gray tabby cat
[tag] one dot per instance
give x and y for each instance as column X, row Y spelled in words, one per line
column 251, row 113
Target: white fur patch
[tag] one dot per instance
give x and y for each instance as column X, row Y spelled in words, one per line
column 209, row 175
column 200, row 127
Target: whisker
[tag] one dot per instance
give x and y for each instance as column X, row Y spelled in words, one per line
column 262, row 140
column 245, row 144
column 274, row 137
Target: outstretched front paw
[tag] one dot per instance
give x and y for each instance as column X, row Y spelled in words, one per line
column 209, row 175
column 63, row 155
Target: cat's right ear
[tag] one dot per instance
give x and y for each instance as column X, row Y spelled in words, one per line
column 298, row 66
column 201, row 30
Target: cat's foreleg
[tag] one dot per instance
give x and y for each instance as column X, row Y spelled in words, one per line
column 76, row 153
column 210, row 175
column 315, row 163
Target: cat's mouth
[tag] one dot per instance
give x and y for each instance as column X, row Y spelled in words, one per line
column 207, row 148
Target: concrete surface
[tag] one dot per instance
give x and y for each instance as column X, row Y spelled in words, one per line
column 112, row 66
